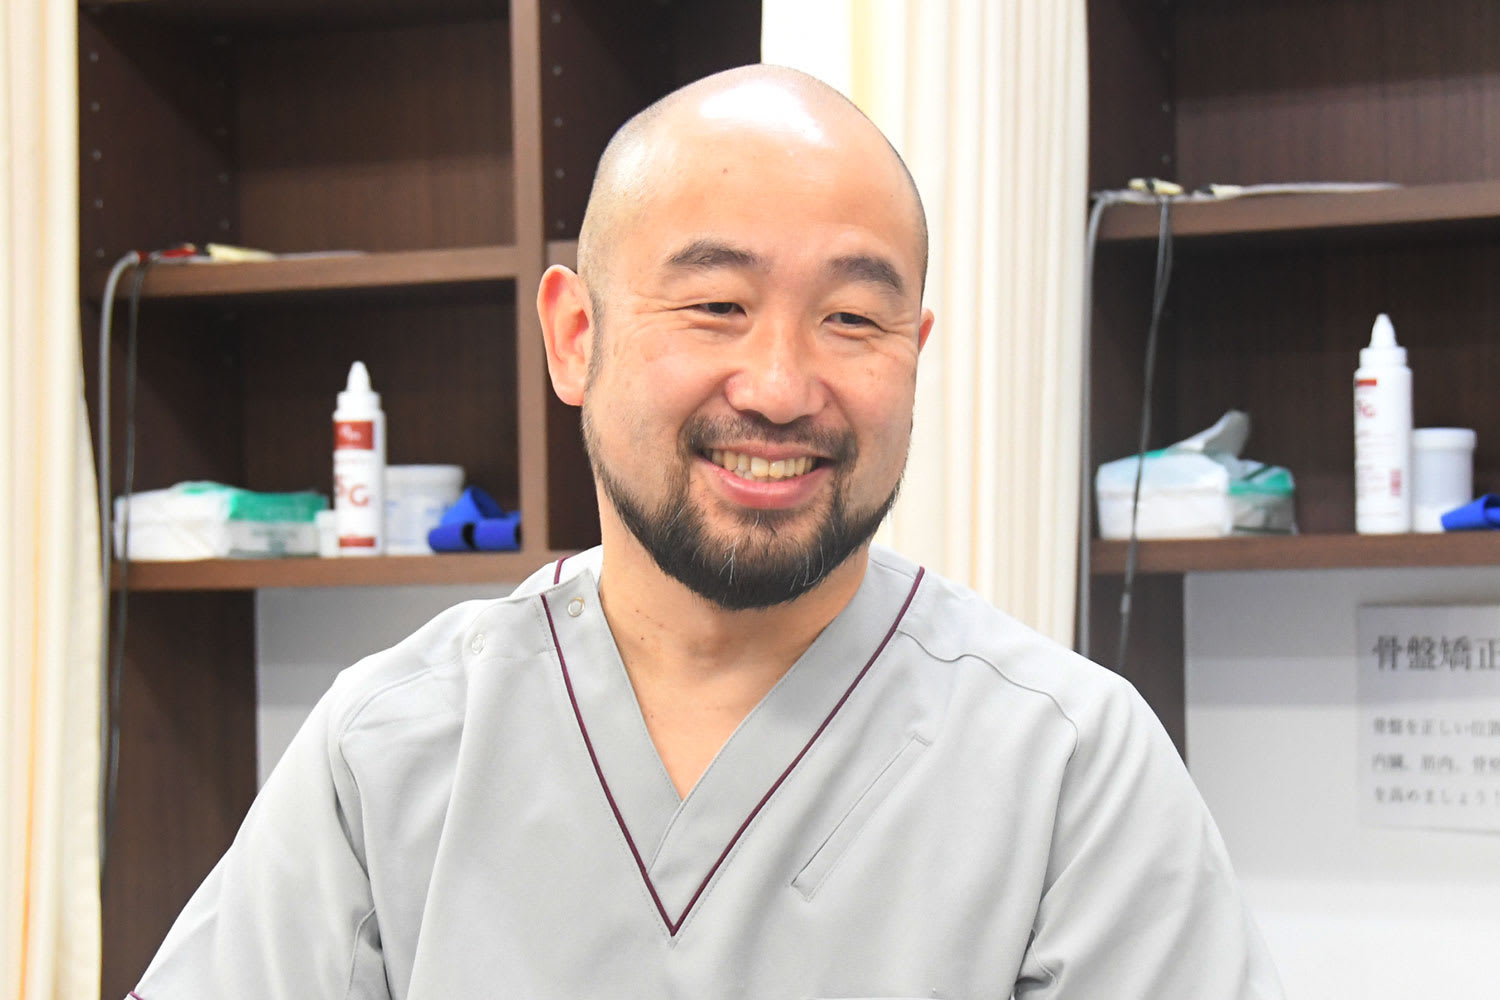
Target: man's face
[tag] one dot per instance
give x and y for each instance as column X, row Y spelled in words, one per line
column 749, row 402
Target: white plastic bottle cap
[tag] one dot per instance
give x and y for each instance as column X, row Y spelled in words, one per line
column 1383, row 349
column 357, row 392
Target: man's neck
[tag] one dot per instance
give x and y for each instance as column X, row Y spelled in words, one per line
column 699, row 669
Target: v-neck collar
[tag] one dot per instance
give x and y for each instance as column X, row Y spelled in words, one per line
column 679, row 845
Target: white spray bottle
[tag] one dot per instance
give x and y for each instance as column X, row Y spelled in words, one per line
column 1382, row 435
column 359, row 467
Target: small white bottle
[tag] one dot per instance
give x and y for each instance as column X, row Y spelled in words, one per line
column 1382, row 435
column 359, row 467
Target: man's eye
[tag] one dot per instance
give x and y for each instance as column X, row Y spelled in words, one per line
column 849, row 319
column 719, row 308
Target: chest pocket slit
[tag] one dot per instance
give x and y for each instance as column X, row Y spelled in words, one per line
column 832, row 850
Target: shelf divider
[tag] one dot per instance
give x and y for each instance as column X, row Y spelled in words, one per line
column 1421, row 206
column 1263, row 552
column 375, row 571
column 334, row 272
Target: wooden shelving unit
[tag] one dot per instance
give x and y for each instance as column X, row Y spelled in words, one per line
column 450, row 146
column 1273, row 295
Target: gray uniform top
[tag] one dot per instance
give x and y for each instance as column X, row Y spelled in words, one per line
column 933, row 802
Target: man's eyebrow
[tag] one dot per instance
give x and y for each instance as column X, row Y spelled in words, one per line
column 869, row 269
column 707, row 255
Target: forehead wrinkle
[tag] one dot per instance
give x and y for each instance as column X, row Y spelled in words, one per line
column 709, row 255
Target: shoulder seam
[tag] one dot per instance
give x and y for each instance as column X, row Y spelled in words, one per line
column 1007, row 678
column 349, row 718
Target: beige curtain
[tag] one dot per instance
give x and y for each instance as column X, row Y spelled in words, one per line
column 987, row 102
column 50, row 593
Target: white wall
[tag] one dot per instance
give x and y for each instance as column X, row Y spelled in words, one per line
column 1348, row 911
column 305, row 636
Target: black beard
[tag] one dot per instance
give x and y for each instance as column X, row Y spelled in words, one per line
column 751, row 571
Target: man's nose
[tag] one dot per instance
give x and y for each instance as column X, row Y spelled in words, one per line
column 777, row 374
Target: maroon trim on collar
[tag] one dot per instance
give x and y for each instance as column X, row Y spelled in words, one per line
column 594, row 757
column 674, row 926
column 133, row 993
column 557, row 575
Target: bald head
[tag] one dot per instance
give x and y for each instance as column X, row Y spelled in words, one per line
column 749, row 104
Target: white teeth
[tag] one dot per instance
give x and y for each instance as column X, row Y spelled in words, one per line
column 755, row 467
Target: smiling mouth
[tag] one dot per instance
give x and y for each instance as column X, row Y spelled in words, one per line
column 760, row 470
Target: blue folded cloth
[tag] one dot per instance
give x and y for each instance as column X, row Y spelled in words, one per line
column 1477, row 515
column 476, row 523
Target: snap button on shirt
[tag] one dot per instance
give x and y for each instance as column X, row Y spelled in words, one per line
column 476, row 644
column 575, row 607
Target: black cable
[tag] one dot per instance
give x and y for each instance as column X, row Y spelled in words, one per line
column 103, row 443
column 116, row 659
column 1158, row 302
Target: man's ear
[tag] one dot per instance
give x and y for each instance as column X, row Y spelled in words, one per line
column 925, row 329
column 562, row 302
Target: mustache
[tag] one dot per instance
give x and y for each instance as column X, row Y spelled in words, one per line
column 702, row 433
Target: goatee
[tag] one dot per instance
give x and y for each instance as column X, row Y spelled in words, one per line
column 758, row 566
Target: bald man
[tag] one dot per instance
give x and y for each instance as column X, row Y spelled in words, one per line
column 735, row 751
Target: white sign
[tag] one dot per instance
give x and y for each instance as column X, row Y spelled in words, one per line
column 1429, row 716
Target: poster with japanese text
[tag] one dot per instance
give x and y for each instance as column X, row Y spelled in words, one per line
column 1429, row 716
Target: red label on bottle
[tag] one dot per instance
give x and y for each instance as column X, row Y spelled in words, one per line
column 1363, row 382
column 356, row 542
column 358, row 434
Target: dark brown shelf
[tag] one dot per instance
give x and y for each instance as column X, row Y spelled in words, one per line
column 277, row 14
column 1463, row 548
column 1419, row 208
column 313, row 274
column 381, row 571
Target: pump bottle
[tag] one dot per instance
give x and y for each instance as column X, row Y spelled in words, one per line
column 1382, row 435
column 359, row 467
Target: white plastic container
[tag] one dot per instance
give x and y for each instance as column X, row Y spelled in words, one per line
column 327, row 523
column 1382, row 435
column 1442, row 473
column 415, row 498
column 359, row 467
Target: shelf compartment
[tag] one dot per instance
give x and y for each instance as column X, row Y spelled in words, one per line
column 1415, row 209
column 1248, row 552
column 405, row 269
column 309, row 137
column 377, row 571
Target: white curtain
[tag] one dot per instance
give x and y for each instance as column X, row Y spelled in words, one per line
column 50, row 592
column 987, row 100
